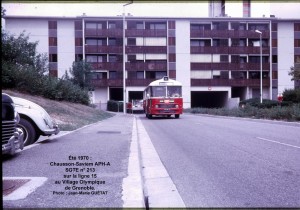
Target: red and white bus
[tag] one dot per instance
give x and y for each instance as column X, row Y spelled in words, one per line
column 163, row 97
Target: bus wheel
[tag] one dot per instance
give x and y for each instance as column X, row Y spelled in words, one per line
column 149, row 116
column 168, row 116
column 176, row 116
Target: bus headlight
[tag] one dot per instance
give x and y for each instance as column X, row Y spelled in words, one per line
column 176, row 106
column 156, row 106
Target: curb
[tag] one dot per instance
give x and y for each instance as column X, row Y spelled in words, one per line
column 132, row 195
column 159, row 189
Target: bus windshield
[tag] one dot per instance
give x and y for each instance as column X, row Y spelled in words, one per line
column 166, row 91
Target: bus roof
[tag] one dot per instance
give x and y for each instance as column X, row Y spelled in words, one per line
column 165, row 81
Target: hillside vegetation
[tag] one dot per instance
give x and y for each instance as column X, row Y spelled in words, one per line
column 69, row 116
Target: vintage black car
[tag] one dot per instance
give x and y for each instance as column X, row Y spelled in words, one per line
column 12, row 137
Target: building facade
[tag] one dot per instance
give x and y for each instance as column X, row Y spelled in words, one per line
column 216, row 59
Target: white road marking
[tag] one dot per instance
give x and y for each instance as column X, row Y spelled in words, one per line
column 158, row 185
column 132, row 194
column 26, row 189
column 277, row 142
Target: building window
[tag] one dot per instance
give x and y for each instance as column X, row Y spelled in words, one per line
column 155, row 74
column 91, row 26
column 172, row 41
column 139, row 25
column 157, row 26
column 78, row 42
column 220, row 26
column 171, row 24
column 52, row 57
column 52, row 24
column 102, row 58
column 140, row 75
column 274, row 58
column 131, row 58
column 100, row 26
column 260, row 27
column 91, row 58
column 201, row 74
column 113, row 58
column 172, row 57
column 112, row 75
column 274, row 42
column 243, row 59
column 274, row 26
column 201, row 43
column 297, row 42
column 97, row 75
column 297, row 58
column 238, row 74
column 112, row 42
column 52, row 41
column 91, row 41
column 112, row 25
column 78, row 57
column 78, row 25
column 223, row 58
column 297, row 26
column 200, row 26
column 254, row 74
column 256, row 59
column 274, row 74
column 220, row 42
column 131, row 41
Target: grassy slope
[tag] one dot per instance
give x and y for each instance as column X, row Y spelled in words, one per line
column 69, row 116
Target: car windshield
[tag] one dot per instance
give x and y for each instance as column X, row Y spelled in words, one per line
column 158, row 91
column 174, row 91
column 166, row 91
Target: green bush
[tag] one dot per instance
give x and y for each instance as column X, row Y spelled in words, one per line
column 292, row 95
column 289, row 113
column 115, row 106
column 266, row 103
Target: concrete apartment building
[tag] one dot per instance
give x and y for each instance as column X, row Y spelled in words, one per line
column 217, row 59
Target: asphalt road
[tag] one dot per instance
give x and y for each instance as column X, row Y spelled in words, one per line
column 102, row 151
column 229, row 162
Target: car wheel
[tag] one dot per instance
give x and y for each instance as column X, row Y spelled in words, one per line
column 28, row 130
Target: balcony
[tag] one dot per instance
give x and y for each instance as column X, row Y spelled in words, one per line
column 104, row 32
column 146, row 33
column 107, row 66
column 210, row 49
column 103, row 49
column 229, row 50
column 148, row 65
column 230, row 82
column 138, row 82
column 107, row 83
column 228, row 34
column 229, row 66
column 209, row 33
column 248, row 50
column 119, row 82
column 146, row 49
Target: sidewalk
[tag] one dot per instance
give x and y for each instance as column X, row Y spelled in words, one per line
column 105, row 147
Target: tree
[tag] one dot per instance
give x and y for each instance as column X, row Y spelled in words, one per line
column 20, row 61
column 295, row 72
column 80, row 74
